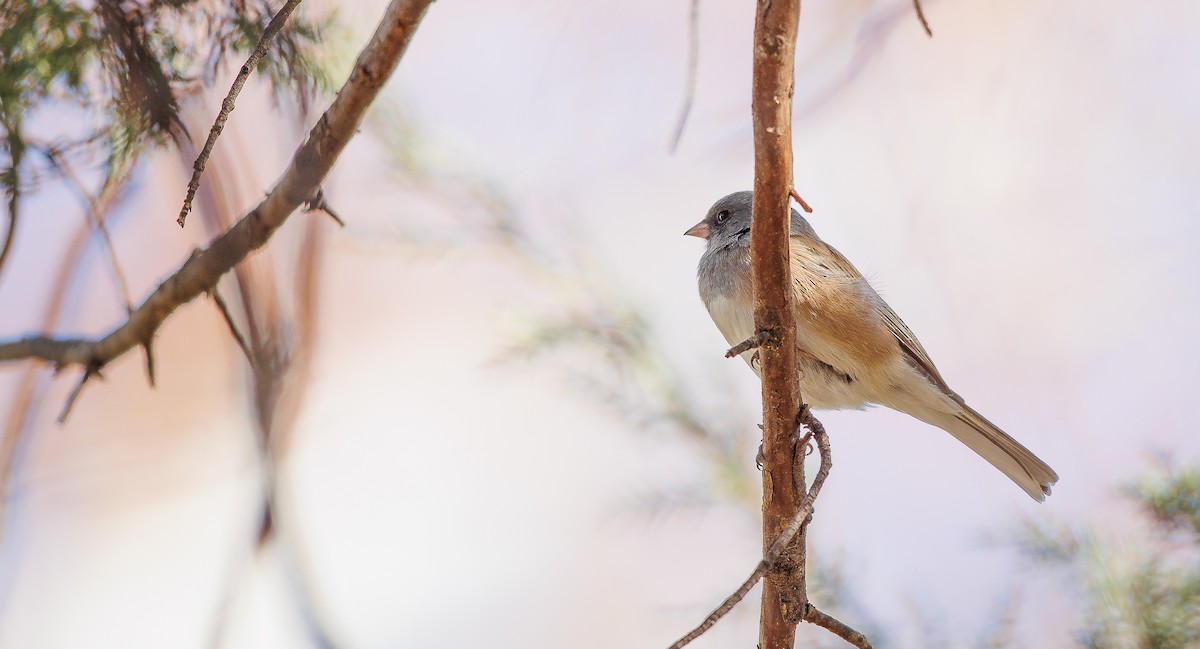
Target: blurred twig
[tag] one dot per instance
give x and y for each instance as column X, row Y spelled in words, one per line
column 299, row 182
column 91, row 209
column 233, row 328
column 21, row 405
column 921, row 17
column 693, row 64
column 11, row 180
column 781, row 544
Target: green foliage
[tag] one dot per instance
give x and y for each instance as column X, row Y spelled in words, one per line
column 1172, row 498
column 45, row 51
column 121, row 67
column 1136, row 594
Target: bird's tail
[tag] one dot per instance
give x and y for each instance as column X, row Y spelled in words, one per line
column 994, row 445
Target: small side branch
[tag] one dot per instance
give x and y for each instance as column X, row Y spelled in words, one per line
column 201, row 272
column 921, row 17
column 318, row 204
column 803, row 204
column 814, row 616
column 781, row 543
column 233, row 329
column 260, row 50
column 91, row 206
column 759, row 339
column 90, row 371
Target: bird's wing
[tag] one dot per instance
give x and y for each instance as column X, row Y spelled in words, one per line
column 908, row 342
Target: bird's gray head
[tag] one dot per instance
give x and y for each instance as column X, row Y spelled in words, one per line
column 728, row 222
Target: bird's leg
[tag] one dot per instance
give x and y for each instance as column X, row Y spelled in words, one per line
column 758, row 340
column 804, row 443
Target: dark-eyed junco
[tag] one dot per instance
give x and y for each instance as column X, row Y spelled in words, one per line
column 854, row 350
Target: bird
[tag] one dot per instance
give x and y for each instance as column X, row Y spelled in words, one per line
column 853, row 350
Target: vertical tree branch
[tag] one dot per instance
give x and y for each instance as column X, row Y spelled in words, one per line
column 774, row 312
column 16, row 148
column 14, row 216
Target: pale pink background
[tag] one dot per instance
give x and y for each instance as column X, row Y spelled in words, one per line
column 1022, row 188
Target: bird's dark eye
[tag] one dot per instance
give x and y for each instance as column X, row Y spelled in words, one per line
column 722, row 216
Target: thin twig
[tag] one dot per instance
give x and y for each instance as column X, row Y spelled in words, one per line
column 91, row 208
column 88, row 373
column 227, row 105
column 726, row 606
column 785, row 538
column 693, row 63
column 148, row 346
column 814, row 616
column 233, row 329
column 921, row 17
column 311, row 162
column 753, row 342
column 318, row 204
column 796, row 195
column 29, row 389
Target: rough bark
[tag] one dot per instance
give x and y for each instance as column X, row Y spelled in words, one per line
column 774, row 313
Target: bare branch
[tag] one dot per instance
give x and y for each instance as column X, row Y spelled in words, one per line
column 318, row 204
column 753, row 342
column 28, row 389
column 772, row 87
column 88, row 373
column 781, row 543
column 91, row 207
column 312, row 161
column 837, row 627
column 148, row 346
column 794, row 194
column 237, row 335
column 921, row 17
column 260, row 50
column 693, row 63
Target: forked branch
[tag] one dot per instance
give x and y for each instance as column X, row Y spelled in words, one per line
column 787, row 505
column 798, row 522
column 299, row 183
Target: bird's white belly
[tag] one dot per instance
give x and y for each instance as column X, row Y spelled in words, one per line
column 735, row 319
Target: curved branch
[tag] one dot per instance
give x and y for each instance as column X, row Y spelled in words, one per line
column 300, row 182
column 921, row 17
column 794, row 526
column 92, row 210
